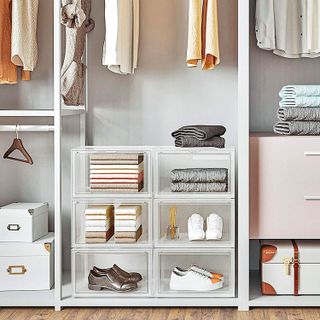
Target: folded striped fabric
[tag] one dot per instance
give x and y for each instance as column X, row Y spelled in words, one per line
column 199, row 187
column 303, row 101
column 299, row 114
column 199, row 175
column 298, row 128
column 299, row 90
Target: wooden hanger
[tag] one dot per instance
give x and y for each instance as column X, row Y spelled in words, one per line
column 18, row 145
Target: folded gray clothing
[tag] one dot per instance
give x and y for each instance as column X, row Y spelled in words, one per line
column 297, row 128
column 190, row 142
column 199, row 187
column 299, row 114
column 201, row 132
column 199, row 175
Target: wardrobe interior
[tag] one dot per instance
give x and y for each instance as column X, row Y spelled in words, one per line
column 268, row 74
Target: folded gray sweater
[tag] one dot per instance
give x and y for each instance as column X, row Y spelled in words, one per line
column 199, row 175
column 190, row 142
column 200, row 132
column 199, row 187
column 302, row 128
column 299, row 114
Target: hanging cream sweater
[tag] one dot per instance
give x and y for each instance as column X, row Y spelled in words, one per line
column 24, row 48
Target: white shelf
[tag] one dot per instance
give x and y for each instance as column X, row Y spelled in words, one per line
column 45, row 113
column 42, row 298
column 259, row 300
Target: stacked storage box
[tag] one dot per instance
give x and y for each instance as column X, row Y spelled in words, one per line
column 128, row 223
column 26, row 247
column 116, row 172
column 99, row 223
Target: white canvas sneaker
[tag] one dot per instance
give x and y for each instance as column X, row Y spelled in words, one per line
column 195, row 227
column 201, row 270
column 214, row 227
column 193, row 281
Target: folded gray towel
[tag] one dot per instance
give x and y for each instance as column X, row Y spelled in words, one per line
column 201, row 132
column 199, row 175
column 298, row 128
column 190, row 142
column 199, row 187
column 299, row 114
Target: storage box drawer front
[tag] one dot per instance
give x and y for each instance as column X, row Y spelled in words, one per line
column 166, row 161
column 217, row 260
column 131, row 261
column 25, row 273
column 98, row 173
column 184, row 209
column 80, row 220
column 274, row 275
column 284, row 188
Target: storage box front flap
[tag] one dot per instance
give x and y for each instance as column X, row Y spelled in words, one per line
column 275, row 251
column 23, row 209
column 41, row 247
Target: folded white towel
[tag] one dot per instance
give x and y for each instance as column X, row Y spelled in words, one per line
column 127, row 217
column 128, row 223
column 103, row 210
column 97, row 223
column 300, row 102
column 126, row 209
column 98, row 217
column 300, row 90
column 99, row 229
column 120, row 229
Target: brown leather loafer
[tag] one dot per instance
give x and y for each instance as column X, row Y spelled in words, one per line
column 109, row 281
column 126, row 276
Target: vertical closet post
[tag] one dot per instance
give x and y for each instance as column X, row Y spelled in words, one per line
column 57, row 155
column 243, row 154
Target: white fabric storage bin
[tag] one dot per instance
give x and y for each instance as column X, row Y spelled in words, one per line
column 27, row 266
column 23, row 222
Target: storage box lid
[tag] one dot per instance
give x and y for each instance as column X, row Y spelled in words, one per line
column 275, row 251
column 23, row 209
column 41, row 247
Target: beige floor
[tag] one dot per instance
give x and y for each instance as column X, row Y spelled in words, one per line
column 159, row 314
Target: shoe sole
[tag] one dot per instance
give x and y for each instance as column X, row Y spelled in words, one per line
column 96, row 287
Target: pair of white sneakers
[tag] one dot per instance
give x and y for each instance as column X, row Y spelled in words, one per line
column 196, row 227
column 195, row 278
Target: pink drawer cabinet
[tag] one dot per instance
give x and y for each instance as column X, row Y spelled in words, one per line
column 284, row 187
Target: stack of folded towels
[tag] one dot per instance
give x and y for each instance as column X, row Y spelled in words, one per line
column 99, row 224
column 299, row 112
column 128, row 223
column 199, row 180
column 194, row 136
column 114, row 172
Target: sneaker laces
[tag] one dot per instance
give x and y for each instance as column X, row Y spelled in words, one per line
column 200, row 269
column 200, row 274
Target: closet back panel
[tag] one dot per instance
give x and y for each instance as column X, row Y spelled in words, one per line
column 37, row 93
column 268, row 73
column 163, row 94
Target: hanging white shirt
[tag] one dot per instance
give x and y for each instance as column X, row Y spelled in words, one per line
column 120, row 50
column 290, row 28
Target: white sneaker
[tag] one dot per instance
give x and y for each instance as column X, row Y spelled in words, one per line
column 214, row 227
column 201, row 270
column 193, row 281
column 195, row 227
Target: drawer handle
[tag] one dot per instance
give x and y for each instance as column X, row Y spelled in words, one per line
column 16, row 270
column 312, row 198
column 13, row 227
column 312, row 153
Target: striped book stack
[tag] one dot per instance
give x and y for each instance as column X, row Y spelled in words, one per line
column 128, row 223
column 99, row 224
column 114, row 172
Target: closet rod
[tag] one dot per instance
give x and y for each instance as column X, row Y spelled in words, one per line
column 35, row 128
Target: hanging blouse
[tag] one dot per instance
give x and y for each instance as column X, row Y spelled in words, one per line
column 120, row 50
column 8, row 71
column 203, row 37
column 290, row 28
column 24, row 48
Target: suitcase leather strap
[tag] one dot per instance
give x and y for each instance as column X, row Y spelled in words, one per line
column 295, row 267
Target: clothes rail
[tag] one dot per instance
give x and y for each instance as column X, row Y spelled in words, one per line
column 29, row 128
